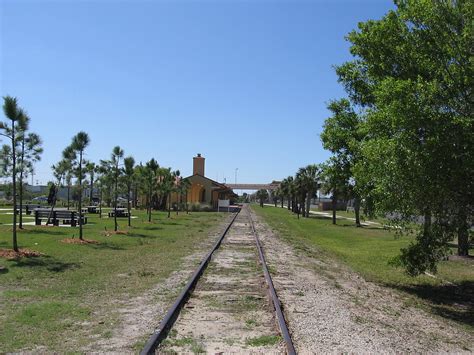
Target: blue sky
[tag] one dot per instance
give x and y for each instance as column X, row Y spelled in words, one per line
column 245, row 83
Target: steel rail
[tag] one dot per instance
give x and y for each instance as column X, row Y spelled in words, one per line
column 162, row 331
column 276, row 302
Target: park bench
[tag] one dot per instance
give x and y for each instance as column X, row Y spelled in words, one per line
column 67, row 217
column 29, row 208
column 92, row 209
column 121, row 212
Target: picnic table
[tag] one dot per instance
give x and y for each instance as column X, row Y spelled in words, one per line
column 58, row 215
column 92, row 209
column 121, row 212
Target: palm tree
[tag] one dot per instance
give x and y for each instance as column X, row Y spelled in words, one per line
column 309, row 178
column 78, row 145
column 280, row 195
column 185, row 185
column 300, row 194
column 290, row 185
column 176, row 188
column 150, row 178
column 285, row 190
column 166, row 183
column 117, row 154
column 129, row 174
column 14, row 113
column 334, row 180
column 262, row 195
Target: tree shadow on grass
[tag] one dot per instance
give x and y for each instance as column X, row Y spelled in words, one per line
column 103, row 246
column 455, row 302
column 47, row 262
column 141, row 235
column 362, row 227
column 43, row 231
column 170, row 223
column 315, row 216
column 153, row 228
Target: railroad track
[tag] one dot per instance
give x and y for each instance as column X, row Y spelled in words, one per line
column 219, row 304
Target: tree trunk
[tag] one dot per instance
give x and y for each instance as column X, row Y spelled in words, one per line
column 149, row 205
column 463, row 235
column 20, row 222
column 303, row 207
column 92, row 189
column 128, row 205
column 308, row 203
column 289, row 202
column 116, row 198
column 169, row 205
column 178, row 196
column 53, row 204
column 100, row 202
column 20, row 195
column 334, row 205
column 357, row 211
column 281, row 202
column 187, row 210
column 15, row 242
column 68, row 191
column 80, row 195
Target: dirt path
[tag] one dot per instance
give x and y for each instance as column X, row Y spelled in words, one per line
column 229, row 311
column 331, row 309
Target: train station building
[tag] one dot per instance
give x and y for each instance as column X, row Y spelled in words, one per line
column 204, row 191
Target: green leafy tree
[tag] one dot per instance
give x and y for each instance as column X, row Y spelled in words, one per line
column 342, row 135
column 413, row 75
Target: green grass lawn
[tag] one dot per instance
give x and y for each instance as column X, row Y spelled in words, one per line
column 57, row 301
column 368, row 251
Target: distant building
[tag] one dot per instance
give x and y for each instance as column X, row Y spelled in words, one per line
column 203, row 190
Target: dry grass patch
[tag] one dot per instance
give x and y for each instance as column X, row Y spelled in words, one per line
column 10, row 254
column 79, row 241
